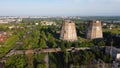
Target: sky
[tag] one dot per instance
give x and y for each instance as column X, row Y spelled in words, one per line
column 59, row 7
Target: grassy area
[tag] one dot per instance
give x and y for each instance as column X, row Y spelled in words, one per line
column 83, row 39
column 113, row 31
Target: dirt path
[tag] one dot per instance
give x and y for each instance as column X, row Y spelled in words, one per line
column 30, row 59
column 47, row 60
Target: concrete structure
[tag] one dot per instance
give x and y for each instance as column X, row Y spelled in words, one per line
column 38, row 51
column 47, row 23
column 115, row 52
column 36, row 23
column 94, row 30
column 68, row 31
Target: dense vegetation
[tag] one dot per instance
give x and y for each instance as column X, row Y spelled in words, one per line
column 16, row 61
column 78, row 59
column 8, row 45
column 30, row 39
column 17, row 35
column 38, row 36
column 21, row 61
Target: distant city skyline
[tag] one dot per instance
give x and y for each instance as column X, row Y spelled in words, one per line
column 59, row 7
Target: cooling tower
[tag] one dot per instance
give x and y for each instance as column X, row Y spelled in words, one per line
column 68, row 31
column 94, row 30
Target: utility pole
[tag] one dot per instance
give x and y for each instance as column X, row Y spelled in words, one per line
column 111, row 43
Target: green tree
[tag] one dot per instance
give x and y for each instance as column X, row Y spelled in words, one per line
column 63, row 46
column 43, row 43
column 54, row 44
column 101, row 43
column 19, row 61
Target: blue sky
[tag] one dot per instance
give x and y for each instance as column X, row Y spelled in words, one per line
column 60, row 7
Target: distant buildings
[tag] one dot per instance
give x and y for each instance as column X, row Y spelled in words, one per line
column 36, row 23
column 111, row 26
column 18, row 20
column 104, row 24
column 3, row 22
column 4, row 36
column 9, row 20
column 48, row 23
column 68, row 31
column 94, row 30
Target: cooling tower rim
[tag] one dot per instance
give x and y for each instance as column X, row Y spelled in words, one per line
column 68, row 21
column 94, row 21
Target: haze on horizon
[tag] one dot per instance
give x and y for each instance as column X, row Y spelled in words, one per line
column 60, row 7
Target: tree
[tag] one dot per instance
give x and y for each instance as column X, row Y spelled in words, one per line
column 68, row 44
column 41, row 66
column 101, row 43
column 43, row 35
column 54, row 44
column 63, row 46
column 42, row 43
column 19, row 61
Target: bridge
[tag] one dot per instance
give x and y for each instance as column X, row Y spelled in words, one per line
column 38, row 51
